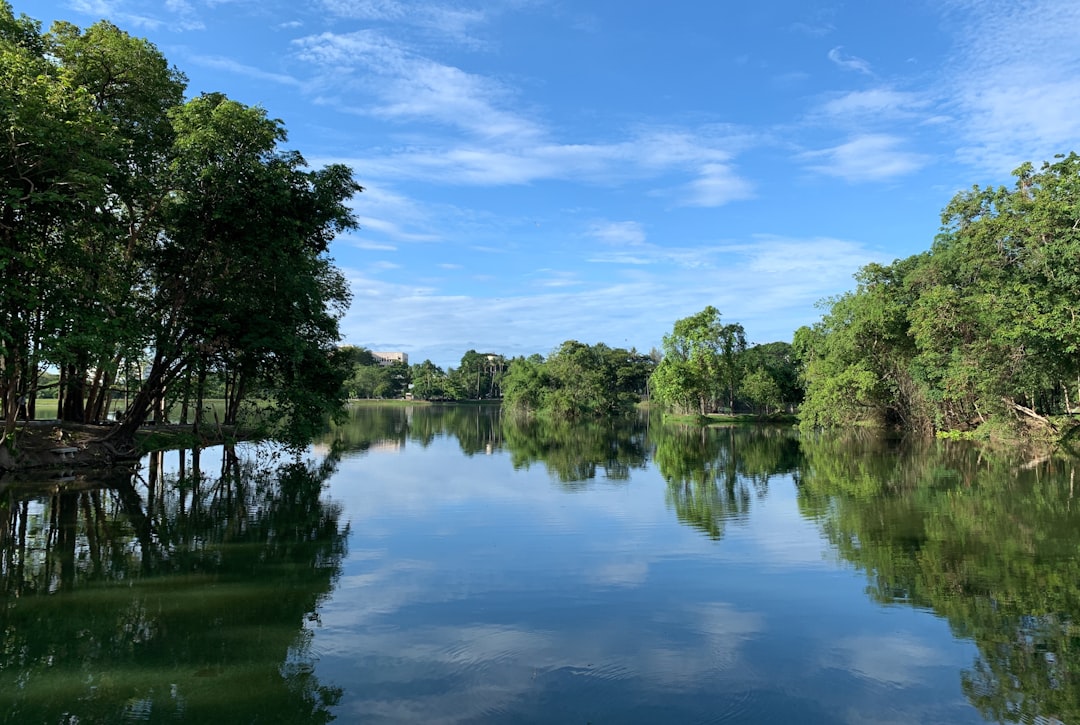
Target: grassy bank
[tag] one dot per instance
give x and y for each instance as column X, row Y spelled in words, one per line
column 725, row 419
column 397, row 402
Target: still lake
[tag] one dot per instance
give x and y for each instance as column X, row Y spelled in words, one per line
column 442, row 565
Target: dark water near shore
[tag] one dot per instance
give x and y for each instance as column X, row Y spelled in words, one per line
column 441, row 565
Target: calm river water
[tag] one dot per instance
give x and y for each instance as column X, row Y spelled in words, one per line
column 441, row 565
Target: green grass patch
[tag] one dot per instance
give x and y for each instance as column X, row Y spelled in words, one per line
column 381, row 402
column 726, row 419
column 45, row 408
column 959, row 435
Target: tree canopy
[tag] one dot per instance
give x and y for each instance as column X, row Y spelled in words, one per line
column 578, row 381
column 980, row 330
column 150, row 239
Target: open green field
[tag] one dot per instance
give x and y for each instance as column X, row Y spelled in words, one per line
column 46, row 409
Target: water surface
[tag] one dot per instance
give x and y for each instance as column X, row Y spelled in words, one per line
column 436, row 565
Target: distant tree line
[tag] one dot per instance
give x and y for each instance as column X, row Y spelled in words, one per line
column 707, row 367
column 149, row 243
column 981, row 331
column 479, row 376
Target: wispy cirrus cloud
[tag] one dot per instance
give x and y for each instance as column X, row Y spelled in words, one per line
column 410, row 87
column 116, row 11
column 849, row 62
column 184, row 16
column 717, row 184
column 497, row 143
column 452, row 22
column 1015, row 80
column 882, row 104
column 391, row 229
column 711, row 179
column 218, row 62
column 171, row 14
column 627, row 233
column 867, row 157
column 392, row 215
column 634, row 307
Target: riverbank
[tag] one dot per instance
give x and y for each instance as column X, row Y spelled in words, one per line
column 726, row 419
column 44, row 444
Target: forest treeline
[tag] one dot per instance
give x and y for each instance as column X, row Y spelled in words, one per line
column 578, row 380
column 148, row 241
column 981, row 331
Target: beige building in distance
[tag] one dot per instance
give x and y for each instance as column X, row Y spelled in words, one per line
column 389, row 358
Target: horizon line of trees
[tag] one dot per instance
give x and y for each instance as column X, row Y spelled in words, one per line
column 479, row 376
column 705, row 367
column 149, row 241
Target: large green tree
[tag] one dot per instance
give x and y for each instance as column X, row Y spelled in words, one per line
column 701, row 363
column 242, row 277
column 982, row 329
column 141, row 231
column 578, row 380
column 131, row 89
column 51, row 174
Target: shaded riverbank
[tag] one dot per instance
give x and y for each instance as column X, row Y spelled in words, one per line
column 60, row 445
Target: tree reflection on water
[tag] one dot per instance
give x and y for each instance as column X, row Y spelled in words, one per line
column 710, row 471
column 987, row 540
column 180, row 595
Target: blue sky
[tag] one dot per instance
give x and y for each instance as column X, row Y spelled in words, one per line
column 544, row 170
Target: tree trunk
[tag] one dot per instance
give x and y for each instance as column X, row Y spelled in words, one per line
column 1030, row 414
column 200, row 392
column 71, row 406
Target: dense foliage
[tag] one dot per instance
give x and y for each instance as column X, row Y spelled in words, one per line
column 982, row 329
column 707, row 366
column 577, row 381
column 148, row 242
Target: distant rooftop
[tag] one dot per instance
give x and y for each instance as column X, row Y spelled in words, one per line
column 389, row 358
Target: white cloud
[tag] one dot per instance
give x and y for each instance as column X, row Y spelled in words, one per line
column 184, row 15
column 873, row 104
column 618, row 233
column 453, row 23
column 717, row 185
column 897, row 660
column 408, row 86
column 849, row 62
column 501, row 145
column 554, row 279
column 218, row 62
column 371, row 246
column 646, row 155
column 768, row 283
column 869, row 157
column 1015, row 78
column 391, row 229
column 381, row 211
column 178, row 14
column 113, row 10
